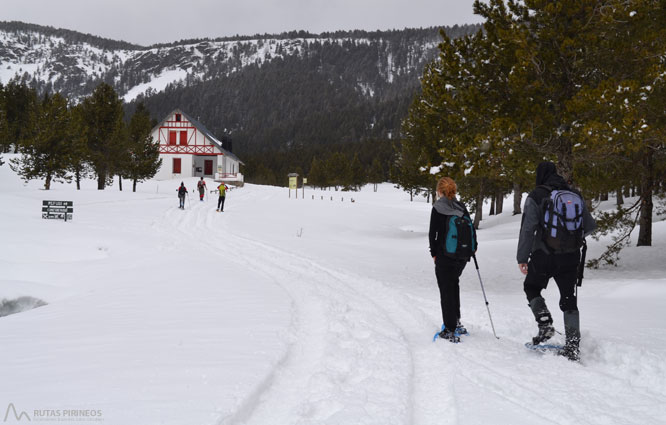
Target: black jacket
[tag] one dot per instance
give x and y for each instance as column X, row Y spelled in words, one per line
column 437, row 231
column 528, row 241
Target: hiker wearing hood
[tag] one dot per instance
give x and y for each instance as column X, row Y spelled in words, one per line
column 539, row 264
column 182, row 191
column 447, row 269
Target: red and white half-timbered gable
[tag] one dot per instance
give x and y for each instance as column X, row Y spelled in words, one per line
column 188, row 149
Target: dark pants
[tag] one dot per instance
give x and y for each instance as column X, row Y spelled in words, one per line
column 181, row 200
column 220, row 203
column 563, row 268
column 201, row 194
column 448, row 273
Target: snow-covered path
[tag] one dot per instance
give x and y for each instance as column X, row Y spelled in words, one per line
column 308, row 311
column 361, row 350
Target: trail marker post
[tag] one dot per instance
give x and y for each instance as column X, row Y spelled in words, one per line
column 293, row 183
column 59, row 210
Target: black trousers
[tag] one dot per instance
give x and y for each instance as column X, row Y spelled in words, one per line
column 220, row 203
column 448, row 273
column 181, row 201
column 562, row 267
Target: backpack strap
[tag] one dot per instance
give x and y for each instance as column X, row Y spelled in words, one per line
column 552, row 215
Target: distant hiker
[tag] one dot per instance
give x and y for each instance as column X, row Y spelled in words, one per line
column 452, row 242
column 201, row 186
column 182, row 191
column 554, row 224
column 222, row 189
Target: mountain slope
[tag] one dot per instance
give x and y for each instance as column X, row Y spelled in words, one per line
column 74, row 63
column 294, row 94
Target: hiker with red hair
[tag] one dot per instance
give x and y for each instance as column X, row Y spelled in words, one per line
column 450, row 259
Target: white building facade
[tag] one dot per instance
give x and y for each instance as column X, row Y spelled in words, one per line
column 188, row 149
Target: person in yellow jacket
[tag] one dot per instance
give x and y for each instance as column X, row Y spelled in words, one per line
column 222, row 189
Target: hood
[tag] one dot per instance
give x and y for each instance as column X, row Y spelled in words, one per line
column 544, row 171
column 448, row 206
column 546, row 174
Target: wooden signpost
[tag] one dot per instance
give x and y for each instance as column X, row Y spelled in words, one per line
column 293, row 183
column 57, row 210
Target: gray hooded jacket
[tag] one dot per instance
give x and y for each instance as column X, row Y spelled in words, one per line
column 446, row 206
column 528, row 240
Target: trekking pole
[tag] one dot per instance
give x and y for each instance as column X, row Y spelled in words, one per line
column 581, row 266
column 484, row 296
column 188, row 200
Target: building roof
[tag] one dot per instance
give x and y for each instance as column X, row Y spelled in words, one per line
column 202, row 128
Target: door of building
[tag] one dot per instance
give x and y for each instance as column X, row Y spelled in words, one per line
column 208, row 167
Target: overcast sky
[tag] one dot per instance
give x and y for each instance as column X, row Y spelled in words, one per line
column 150, row 21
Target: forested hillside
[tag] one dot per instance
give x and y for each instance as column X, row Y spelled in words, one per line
column 283, row 99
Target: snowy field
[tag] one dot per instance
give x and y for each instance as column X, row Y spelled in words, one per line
column 301, row 311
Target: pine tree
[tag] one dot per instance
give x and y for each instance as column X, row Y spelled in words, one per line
column 376, row 173
column 144, row 160
column 45, row 142
column 316, row 177
column 337, row 170
column 358, row 175
column 558, row 56
column 122, row 156
column 449, row 128
column 624, row 131
column 102, row 114
column 17, row 102
column 79, row 166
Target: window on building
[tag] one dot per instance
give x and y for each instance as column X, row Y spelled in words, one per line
column 178, row 118
column 176, row 165
column 183, row 138
column 172, row 137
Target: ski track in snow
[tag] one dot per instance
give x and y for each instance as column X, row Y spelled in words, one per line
column 342, row 343
column 360, row 353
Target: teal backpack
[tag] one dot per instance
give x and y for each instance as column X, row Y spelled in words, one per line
column 460, row 241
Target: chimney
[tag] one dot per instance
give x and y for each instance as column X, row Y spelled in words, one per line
column 226, row 144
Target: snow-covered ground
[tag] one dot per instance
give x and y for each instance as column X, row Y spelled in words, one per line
column 300, row 311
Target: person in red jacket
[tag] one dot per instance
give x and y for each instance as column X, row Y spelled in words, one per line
column 201, row 187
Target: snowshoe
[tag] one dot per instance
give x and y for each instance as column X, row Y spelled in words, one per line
column 571, row 352
column 448, row 335
column 460, row 329
column 545, row 333
column 545, row 348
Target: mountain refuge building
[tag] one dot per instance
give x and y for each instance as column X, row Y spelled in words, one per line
column 188, row 149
